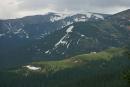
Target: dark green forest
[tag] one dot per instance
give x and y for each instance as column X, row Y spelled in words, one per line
column 127, row 73
column 108, row 68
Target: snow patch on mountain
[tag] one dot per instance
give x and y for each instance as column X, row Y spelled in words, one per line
column 12, row 29
column 58, row 16
column 82, row 35
column 81, row 18
column 98, row 16
column 66, row 39
column 88, row 15
column 2, row 35
column 18, row 31
column 32, row 67
column 78, row 17
column 9, row 26
column 48, row 52
column 78, row 41
column 62, row 41
column 66, row 23
column 69, row 29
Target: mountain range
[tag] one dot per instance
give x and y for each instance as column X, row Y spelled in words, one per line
column 55, row 36
column 66, row 50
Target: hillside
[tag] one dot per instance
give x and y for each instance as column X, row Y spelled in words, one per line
column 57, row 36
column 17, row 36
column 84, row 37
column 102, row 69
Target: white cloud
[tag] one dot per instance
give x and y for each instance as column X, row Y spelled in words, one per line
column 8, row 8
column 35, row 12
column 20, row 8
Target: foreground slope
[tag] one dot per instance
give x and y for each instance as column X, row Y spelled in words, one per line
column 103, row 69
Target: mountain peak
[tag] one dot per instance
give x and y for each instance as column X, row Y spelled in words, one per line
column 128, row 10
column 124, row 14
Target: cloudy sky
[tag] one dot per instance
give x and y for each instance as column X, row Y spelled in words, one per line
column 20, row 8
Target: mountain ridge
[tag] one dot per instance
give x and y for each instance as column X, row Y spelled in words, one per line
column 36, row 41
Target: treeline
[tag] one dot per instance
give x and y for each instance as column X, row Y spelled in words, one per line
column 127, row 74
column 93, row 74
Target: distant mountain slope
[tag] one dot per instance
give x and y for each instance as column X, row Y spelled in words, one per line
column 82, row 37
column 35, row 27
column 55, row 36
column 103, row 69
column 90, row 36
column 17, row 35
column 122, row 15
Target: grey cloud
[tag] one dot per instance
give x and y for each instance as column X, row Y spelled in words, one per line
column 35, row 4
column 92, row 4
column 96, row 3
column 101, row 6
column 74, row 5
